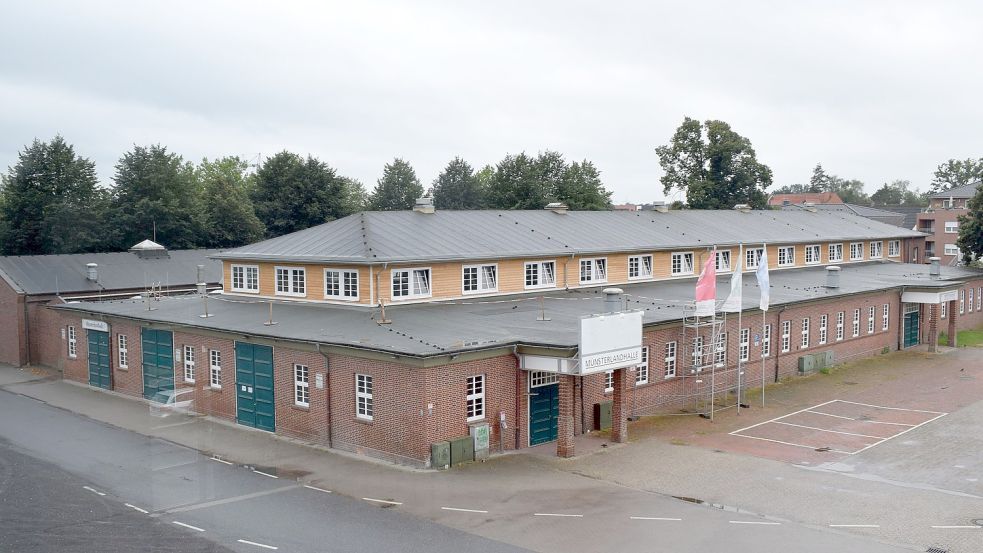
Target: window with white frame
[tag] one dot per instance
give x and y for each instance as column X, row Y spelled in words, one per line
column 215, row 368
column 723, row 261
column 302, row 385
column 542, row 378
column 876, row 250
column 245, row 278
column 189, row 364
column 122, row 354
column 480, row 278
column 805, row 332
column 698, row 353
column 969, row 304
column 786, row 336
column 786, row 256
column 766, row 341
column 951, row 249
column 835, row 253
column 669, row 361
column 72, row 343
column 812, row 254
column 411, row 283
column 341, row 284
column 823, row 328
column 839, row 326
column 752, row 256
column 593, row 270
column 942, row 311
column 856, row 323
column 962, row 301
column 291, row 281
column 894, row 248
column 476, row 397
column 871, row 311
column 979, row 298
column 682, row 263
column 720, row 351
column 541, row 274
column 363, row 397
column 744, row 347
column 608, row 381
column 951, row 227
column 642, row 370
column 886, row 317
column 856, row 251
column 640, row 266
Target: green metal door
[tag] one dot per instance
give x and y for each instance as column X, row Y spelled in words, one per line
column 910, row 329
column 544, row 411
column 157, row 362
column 100, row 374
column 254, row 386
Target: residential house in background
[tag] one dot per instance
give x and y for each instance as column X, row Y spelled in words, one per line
column 941, row 221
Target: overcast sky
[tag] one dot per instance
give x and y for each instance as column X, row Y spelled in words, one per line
column 874, row 90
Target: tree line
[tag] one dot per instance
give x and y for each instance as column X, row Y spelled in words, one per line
column 51, row 200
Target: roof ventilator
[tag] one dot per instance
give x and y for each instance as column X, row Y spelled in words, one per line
column 424, row 205
column 612, row 300
column 935, row 269
column 92, row 272
column 743, row 208
column 832, row 277
column 661, row 207
column 557, row 207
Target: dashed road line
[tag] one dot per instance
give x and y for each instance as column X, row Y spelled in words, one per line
column 458, row 509
column 188, row 526
column 557, row 515
column 757, row 522
column 959, row 527
column 135, row 508
column 655, row 518
column 263, row 545
column 223, row 461
column 386, row 501
column 316, row 488
column 93, row 490
column 265, row 474
column 854, row 525
column 227, row 500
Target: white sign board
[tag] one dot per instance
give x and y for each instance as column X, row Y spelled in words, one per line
column 609, row 342
column 101, row 326
column 930, row 297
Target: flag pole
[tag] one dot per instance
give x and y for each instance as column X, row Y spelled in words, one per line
column 740, row 311
column 764, row 315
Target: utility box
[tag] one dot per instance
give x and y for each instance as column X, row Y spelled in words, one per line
column 440, row 455
column 462, row 450
column 807, row 364
column 819, row 360
column 602, row 415
column 830, row 359
column 481, row 433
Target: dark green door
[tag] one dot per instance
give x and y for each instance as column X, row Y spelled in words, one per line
column 910, row 329
column 544, row 410
column 254, row 386
column 158, row 361
column 100, row 375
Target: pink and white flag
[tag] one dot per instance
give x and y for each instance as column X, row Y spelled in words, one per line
column 706, row 287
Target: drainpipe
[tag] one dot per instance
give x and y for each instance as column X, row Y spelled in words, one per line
column 566, row 265
column 327, row 390
column 519, row 394
column 901, row 320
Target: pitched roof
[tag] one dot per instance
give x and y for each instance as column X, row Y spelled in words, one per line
column 407, row 236
column 882, row 215
column 965, row 191
column 814, row 197
column 118, row 271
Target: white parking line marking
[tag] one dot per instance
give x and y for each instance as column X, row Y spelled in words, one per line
column 265, row 473
column 382, row 501
column 316, row 489
column 963, row 527
column 93, row 490
column 812, row 447
column 891, row 408
column 781, row 417
column 859, row 420
column 135, row 508
column 902, row 432
column 263, row 545
column 463, row 510
column 854, row 525
column 195, row 528
column 832, row 431
column 654, row 518
column 556, row 515
column 220, row 460
column 754, row 522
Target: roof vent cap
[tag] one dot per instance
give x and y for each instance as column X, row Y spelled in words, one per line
column 148, row 249
column 832, row 276
column 935, row 269
column 424, row 205
column 557, row 207
column 92, row 272
column 743, row 208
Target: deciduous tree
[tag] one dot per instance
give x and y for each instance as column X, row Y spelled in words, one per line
column 397, row 189
column 229, row 217
column 516, row 184
column 970, row 241
column 581, row 188
column 955, row 173
column 458, row 187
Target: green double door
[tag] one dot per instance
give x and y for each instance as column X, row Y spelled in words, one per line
column 910, row 329
column 157, row 362
column 254, row 386
column 100, row 373
column 544, row 412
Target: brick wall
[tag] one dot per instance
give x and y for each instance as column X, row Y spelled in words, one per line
column 13, row 343
column 126, row 380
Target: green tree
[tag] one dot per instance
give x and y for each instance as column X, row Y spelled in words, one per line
column 551, row 169
column 458, row 187
column 796, row 189
column 850, row 191
column 898, row 192
column 516, row 184
column 820, row 181
column 970, row 241
column 581, row 188
column 717, row 171
column 397, row 189
column 955, row 173
column 51, row 202
column 229, row 217
column 293, row 193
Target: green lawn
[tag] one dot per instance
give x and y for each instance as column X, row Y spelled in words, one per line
column 965, row 338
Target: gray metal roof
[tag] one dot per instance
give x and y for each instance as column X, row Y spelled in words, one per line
column 65, row 274
column 965, row 191
column 881, row 215
column 400, row 236
column 456, row 326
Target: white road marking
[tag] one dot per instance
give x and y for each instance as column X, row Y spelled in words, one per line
column 316, row 489
column 265, row 473
column 859, row 420
column 854, row 525
column 463, row 510
column 891, row 408
column 654, row 518
column 939, row 416
column 135, row 508
column 382, row 501
column 954, row 527
column 195, row 528
column 220, row 460
column 782, row 417
column 206, row 504
column 263, row 545
column 758, row 522
column 812, row 447
column 172, row 425
column 93, row 490
column 831, row 431
column 556, row 515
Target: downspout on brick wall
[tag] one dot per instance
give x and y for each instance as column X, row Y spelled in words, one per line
column 778, row 350
column 519, row 394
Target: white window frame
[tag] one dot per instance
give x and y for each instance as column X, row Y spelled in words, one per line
column 751, row 258
column 805, row 332
column 122, row 351
column 245, row 278
column 786, row 336
column 697, row 353
column 944, row 309
column 412, row 283
column 871, row 316
column 481, row 285
column 894, row 248
column 886, row 317
column 813, row 254
column 364, row 390
column 683, row 270
column 856, row 323
column 540, row 270
column 951, row 227
column 291, row 288
column 542, row 378
column 840, row 319
column 642, row 369
column 302, row 385
column 215, row 369
column 722, row 261
column 744, row 347
column 608, row 381
column 596, row 270
column 786, row 256
column 640, row 269
column 962, row 301
column 73, row 351
column 823, row 329
column 834, row 253
column 343, row 284
column 473, row 384
column 950, row 249
column 856, row 247
column 876, row 249
column 979, row 298
column 969, row 303
column 188, row 360
column 766, row 341
column 669, row 359
column 720, row 350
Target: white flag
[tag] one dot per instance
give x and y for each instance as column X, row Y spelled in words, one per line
column 733, row 302
column 763, row 283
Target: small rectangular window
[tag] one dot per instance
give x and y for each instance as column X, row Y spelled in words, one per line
column 682, row 263
column 593, row 270
column 541, row 274
column 885, row 318
column 856, row 323
column 979, row 298
column 723, row 261
column 745, row 345
column 640, row 266
column 341, row 284
column 894, row 248
column 786, row 256
column 876, row 250
column 962, row 301
column 805, row 332
column 856, row 251
column 766, row 341
column 363, row 396
column 823, row 329
column 291, row 281
column 411, row 283
column 835, row 253
column 669, row 368
column 951, row 227
column 752, row 256
column 812, row 254
column 479, row 279
column 786, row 336
column 245, row 278
column 969, row 303
column 189, row 364
column 72, row 343
column 122, row 352
column 642, row 369
column 697, row 353
column 871, row 311
column 476, row 397
column 720, row 350
column 302, row 385
column 839, row 326
column 608, row 381
column 951, row 249
column 945, row 307
column 215, row 368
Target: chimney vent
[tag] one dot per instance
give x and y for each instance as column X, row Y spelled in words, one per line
column 92, row 272
column 661, row 207
column 743, row 208
column 612, row 300
column 557, row 207
column 832, row 276
column 202, row 287
column 935, row 269
column 424, row 205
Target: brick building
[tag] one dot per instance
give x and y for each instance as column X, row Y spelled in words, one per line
column 383, row 333
column 941, row 222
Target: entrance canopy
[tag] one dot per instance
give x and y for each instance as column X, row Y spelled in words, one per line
column 929, row 296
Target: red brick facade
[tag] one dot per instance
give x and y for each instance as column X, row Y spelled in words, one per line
column 13, row 339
